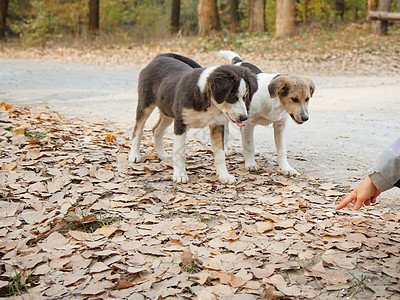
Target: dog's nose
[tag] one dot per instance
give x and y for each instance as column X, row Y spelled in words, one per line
column 243, row 118
column 304, row 118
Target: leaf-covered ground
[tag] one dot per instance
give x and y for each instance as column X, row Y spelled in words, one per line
column 78, row 221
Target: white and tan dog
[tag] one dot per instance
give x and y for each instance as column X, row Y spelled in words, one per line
column 278, row 97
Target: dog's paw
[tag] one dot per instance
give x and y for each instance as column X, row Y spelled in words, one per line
column 288, row 171
column 134, row 157
column 180, row 177
column 229, row 179
column 164, row 156
column 252, row 167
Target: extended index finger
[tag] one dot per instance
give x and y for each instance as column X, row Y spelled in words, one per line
column 346, row 200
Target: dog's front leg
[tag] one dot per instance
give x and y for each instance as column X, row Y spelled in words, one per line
column 179, row 158
column 248, row 147
column 217, row 142
column 279, row 136
column 226, row 137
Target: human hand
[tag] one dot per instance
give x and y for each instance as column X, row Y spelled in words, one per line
column 364, row 193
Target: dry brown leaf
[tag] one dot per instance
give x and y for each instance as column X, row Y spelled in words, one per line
column 98, row 267
column 213, row 263
column 187, row 257
column 104, row 175
column 279, row 282
column 231, row 236
column 216, row 243
column 106, row 230
column 110, row 138
column 124, row 284
column 33, row 153
column 4, row 106
column 236, row 281
column 263, row 273
column 335, row 277
column 8, row 209
column 96, row 288
column 8, row 166
column 285, row 224
column 262, row 227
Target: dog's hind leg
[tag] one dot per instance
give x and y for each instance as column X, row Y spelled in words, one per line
column 279, row 136
column 217, row 141
column 158, row 132
column 141, row 116
column 247, row 133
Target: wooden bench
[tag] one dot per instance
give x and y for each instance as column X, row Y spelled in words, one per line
column 383, row 16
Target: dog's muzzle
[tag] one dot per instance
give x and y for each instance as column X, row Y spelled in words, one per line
column 304, row 118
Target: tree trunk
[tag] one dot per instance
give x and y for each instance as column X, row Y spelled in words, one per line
column 339, row 8
column 372, row 5
column 285, row 18
column 235, row 25
column 207, row 13
column 3, row 18
column 94, row 12
column 175, row 14
column 306, row 12
column 257, row 16
column 380, row 27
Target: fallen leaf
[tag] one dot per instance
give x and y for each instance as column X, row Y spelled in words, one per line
column 262, row 227
column 213, row 264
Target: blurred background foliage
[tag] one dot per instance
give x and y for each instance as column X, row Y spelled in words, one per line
column 38, row 21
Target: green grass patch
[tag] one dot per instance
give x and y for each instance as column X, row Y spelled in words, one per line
column 78, row 219
column 192, row 268
column 17, row 285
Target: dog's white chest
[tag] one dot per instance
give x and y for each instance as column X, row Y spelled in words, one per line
column 200, row 119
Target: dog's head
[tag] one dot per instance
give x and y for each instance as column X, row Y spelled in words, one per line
column 294, row 93
column 231, row 89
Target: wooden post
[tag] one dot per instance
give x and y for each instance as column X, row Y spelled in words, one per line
column 379, row 27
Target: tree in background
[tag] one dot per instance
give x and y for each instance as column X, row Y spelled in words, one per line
column 175, row 14
column 285, row 18
column 234, row 12
column 3, row 18
column 256, row 16
column 207, row 13
column 94, row 17
column 372, row 5
column 339, row 8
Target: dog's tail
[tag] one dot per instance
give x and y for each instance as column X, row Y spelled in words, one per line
column 232, row 56
column 237, row 60
column 182, row 58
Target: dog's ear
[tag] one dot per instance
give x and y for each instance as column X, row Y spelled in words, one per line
column 311, row 85
column 277, row 85
column 221, row 86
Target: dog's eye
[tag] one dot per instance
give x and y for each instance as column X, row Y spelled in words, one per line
column 307, row 99
column 295, row 100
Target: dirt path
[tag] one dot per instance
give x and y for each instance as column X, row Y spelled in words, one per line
column 351, row 118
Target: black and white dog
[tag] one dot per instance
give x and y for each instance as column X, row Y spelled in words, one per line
column 191, row 97
column 278, row 97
